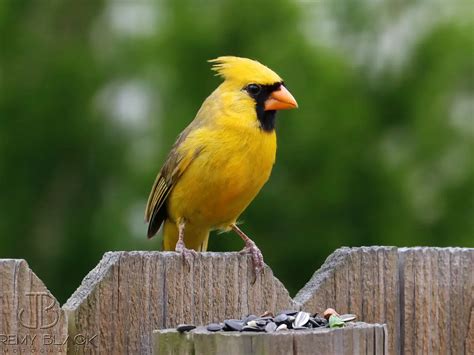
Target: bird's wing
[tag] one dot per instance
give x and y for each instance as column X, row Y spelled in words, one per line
column 175, row 165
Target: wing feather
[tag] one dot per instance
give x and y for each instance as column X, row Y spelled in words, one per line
column 175, row 165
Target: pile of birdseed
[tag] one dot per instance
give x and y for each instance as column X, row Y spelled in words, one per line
column 285, row 320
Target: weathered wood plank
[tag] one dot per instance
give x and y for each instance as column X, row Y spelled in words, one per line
column 31, row 320
column 424, row 295
column 343, row 341
column 363, row 281
column 173, row 343
column 470, row 334
column 437, row 298
column 129, row 294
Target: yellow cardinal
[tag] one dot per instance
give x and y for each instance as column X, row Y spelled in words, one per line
column 221, row 160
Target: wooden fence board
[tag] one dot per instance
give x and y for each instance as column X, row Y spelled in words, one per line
column 343, row 341
column 131, row 293
column 31, row 320
column 437, row 298
column 424, row 295
column 363, row 281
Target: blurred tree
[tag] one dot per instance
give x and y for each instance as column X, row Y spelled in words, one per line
column 93, row 94
column 56, row 152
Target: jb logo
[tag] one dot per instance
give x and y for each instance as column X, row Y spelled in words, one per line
column 42, row 314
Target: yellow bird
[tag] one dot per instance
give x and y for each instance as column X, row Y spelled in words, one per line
column 221, row 160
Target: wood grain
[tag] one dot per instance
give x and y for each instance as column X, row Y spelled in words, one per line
column 363, row 281
column 129, row 294
column 31, row 320
column 437, row 298
column 424, row 295
column 356, row 338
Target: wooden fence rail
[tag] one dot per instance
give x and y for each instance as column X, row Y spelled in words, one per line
column 423, row 295
column 357, row 338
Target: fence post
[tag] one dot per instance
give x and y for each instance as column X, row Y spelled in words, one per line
column 423, row 294
column 357, row 338
column 31, row 320
column 129, row 294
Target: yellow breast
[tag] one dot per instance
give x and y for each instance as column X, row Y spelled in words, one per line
column 224, row 178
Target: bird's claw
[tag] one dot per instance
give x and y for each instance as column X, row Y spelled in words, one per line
column 188, row 254
column 257, row 258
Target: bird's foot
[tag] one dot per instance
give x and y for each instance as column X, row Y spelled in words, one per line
column 257, row 257
column 188, row 254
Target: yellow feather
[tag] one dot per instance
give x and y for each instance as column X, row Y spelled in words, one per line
column 220, row 162
column 244, row 70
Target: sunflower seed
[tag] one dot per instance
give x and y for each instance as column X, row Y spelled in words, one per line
column 320, row 320
column 253, row 323
column 214, row 327
column 282, row 327
column 301, row 319
column 347, row 317
column 329, row 312
column 248, row 328
column 317, row 322
column 233, row 324
column 335, row 321
column 185, row 328
column 249, row 318
column 289, row 312
column 282, row 317
column 270, row 327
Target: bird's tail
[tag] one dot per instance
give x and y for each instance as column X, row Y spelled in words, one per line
column 194, row 237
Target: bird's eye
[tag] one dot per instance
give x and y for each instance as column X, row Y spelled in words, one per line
column 253, row 89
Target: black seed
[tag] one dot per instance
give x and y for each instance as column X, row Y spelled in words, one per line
column 185, row 328
column 289, row 312
column 214, row 327
column 321, row 321
column 270, row 327
column 233, row 324
column 282, row 317
column 314, row 323
column 249, row 328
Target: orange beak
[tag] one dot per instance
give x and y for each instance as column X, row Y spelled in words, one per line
column 280, row 99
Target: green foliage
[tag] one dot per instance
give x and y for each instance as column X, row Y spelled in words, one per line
column 93, row 94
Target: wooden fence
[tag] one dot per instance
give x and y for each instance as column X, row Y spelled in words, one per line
column 355, row 338
column 423, row 295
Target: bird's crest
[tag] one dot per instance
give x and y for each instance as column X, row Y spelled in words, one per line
column 244, row 70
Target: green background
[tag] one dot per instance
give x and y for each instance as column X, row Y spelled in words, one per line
column 93, row 94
